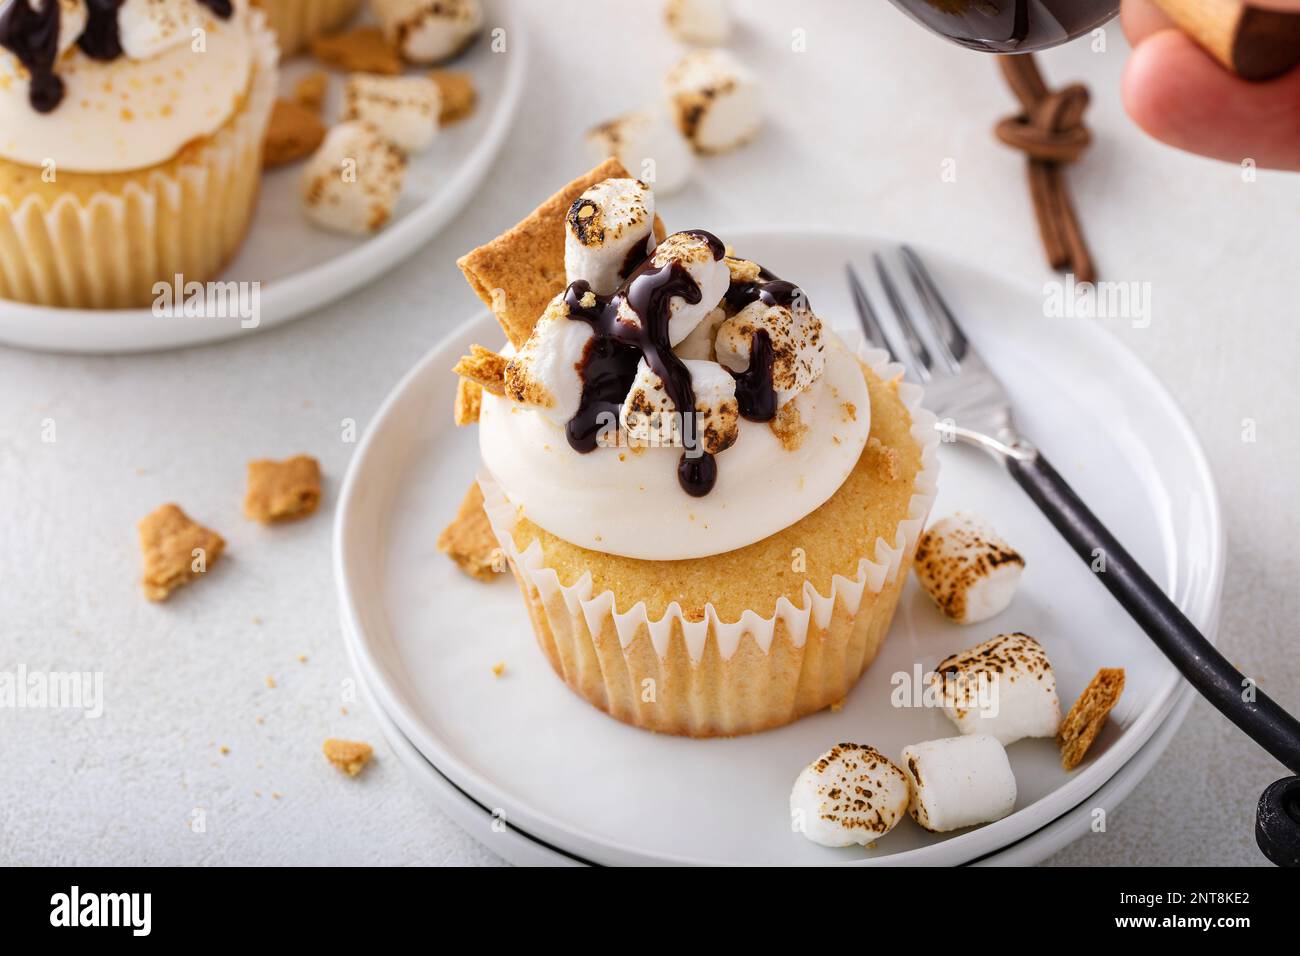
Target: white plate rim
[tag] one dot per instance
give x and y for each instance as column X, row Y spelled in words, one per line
column 972, row 844
column 46, row 328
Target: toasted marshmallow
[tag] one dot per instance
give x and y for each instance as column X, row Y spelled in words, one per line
column 969, row 571
column 716, row 100
column 649, row 418
column 704, row 22
column 694, row 254
column 798, row 349
column 1004, row 688
column 403, row 109
column 147, row 28
column 351, row 184
column 648, row 143
column 959, row 782
column 607, row 227
column 429, row 31
column 850, row 794
column 544, row 374
column 699, row 344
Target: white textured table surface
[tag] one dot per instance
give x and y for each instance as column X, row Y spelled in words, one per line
column 861, row 126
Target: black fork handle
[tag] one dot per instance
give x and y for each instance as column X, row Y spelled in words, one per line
column 1278, row 818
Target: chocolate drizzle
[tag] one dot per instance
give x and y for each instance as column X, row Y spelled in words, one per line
column 101, row 40
column 609, row 365
column 33, row 37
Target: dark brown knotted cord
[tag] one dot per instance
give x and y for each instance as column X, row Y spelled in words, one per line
column 1050, row 132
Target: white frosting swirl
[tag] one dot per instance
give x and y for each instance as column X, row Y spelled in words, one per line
column 181, row 77
column 630, row 503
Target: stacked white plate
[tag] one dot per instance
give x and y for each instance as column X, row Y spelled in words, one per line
column 563, row 782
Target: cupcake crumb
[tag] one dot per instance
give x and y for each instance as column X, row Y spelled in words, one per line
column 349, row 756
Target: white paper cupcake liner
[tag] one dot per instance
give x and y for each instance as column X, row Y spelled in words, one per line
column 188, row 218
column 721, row 684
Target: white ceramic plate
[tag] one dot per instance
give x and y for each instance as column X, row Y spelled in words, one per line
column 520, row 848
column 576, row 779
column 303, row 268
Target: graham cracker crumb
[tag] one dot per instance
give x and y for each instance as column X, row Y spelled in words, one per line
column 360, row 50
column 469, row 402
column 484, row 367
column 282, row 490
column 850, row 411
column 457, row 93
column 176, row 550
column 293, row 134
column 350, row 756
column 469, row 540
column 270, row 682
column 224, row 750
column 884, row 460
column 788, row 426
column 498, row 668
column 1086, row 717
column 309, row 92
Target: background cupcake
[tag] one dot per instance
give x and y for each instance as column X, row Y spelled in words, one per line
column 712, row 593
column 297, row 22
column 131, row 149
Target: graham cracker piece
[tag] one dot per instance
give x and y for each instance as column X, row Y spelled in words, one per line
column 282, row 490
column 359, row 50
column 884, row 459
column 293, row 134
column 521, row 270
column 485, row 368
column 309, row 92
column 1086, row 717
column 457, row 95
column 469, row 401
column 350, row 756
column 469, row 540
column 176, row 550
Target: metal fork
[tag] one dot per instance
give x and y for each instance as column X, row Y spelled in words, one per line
column 973, row 408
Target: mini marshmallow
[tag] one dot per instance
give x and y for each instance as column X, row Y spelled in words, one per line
column 699, row 344
column 351, row 184
column 959, row 782
column 544, row 374
column 429, row 31
column 716, row 100
column 146, row 28
column 850, row 794
column 694, row 254
column 649, row 417
column 649, row 144
column 403, row 109
column 1004, row 688
column 608, row 226
column 703, row 22
column 798, row 349
column 969, row 571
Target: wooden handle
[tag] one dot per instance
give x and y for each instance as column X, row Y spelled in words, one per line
column 1255, row 44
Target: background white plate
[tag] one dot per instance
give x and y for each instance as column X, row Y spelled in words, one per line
column 567, row 774
column 303, row 267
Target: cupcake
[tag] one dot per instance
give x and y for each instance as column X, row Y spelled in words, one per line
column 297, row 22
column 130, row 144
column 709, row 500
